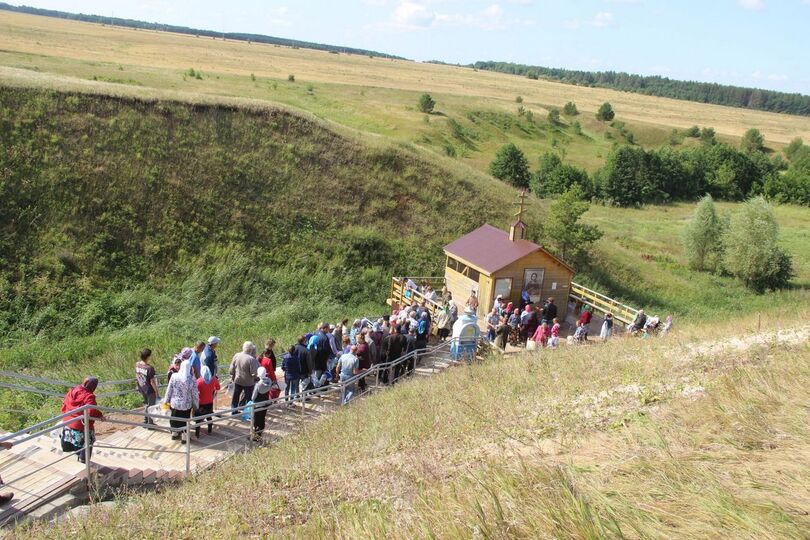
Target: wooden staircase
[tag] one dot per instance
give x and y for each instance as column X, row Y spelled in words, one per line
column 48, row 482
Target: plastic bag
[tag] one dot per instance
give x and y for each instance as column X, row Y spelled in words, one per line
column 247, row 410
column 531, row 345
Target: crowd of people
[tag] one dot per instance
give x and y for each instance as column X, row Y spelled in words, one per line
column 537, row 326
column 331, row 354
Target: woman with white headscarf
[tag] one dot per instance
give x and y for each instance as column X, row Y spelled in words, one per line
column 261, row 394
column 183, row 396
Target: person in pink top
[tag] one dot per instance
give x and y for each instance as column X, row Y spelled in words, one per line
column 555, row 333
column 541, row 335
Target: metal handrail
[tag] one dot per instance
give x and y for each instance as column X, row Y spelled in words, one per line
column 222, row 415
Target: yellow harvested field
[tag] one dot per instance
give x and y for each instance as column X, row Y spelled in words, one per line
column 46, row 41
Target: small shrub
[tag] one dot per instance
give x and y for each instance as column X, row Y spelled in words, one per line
column 519, row 99
column 554, row 116
column 707, row 136
column 426, row 103
column 605, row 112
column 253, row 77
column 310, row 88
column 577, row 127
column 521, row 110
column 291, row 78
column 693, row 132
column 570, row 109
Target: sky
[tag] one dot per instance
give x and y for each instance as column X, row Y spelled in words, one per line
column 759, row 43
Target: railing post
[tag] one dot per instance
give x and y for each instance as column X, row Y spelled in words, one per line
column 188, row 447
column 303, row 404
column 252, row 421
column 87, row 448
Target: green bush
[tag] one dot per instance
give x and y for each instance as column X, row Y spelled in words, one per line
column 426, row 103
column 752, row 253
column 510, row 165
column 570, row 109
column 605, row 112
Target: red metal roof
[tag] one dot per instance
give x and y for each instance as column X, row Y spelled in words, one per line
column 490, row 249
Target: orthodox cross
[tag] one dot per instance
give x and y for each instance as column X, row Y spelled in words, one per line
column 521, row 204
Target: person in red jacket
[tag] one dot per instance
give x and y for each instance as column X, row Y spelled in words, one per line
column 73, row 433
column 208, row 386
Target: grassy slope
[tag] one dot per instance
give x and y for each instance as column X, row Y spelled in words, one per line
column 159, row 223
column 663, row 438
column 282, row 160
column 373, row 95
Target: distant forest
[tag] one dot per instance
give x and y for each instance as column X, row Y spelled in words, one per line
column 718, row 94
column 237, row 36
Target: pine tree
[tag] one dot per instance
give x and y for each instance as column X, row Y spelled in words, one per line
column 563, row 229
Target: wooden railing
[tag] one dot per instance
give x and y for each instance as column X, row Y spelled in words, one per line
column 402, row 295
column 621, row 312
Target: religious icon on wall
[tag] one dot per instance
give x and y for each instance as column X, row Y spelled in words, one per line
column 532, row 285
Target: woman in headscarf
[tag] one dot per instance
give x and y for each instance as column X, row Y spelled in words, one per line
column 207, row 388
column 261, row 394
column 443, row 323
column 541, row 335
column 354, row 331
column 376, row 337
column 501, row 333
column 73, row 432
column 607, row 327
column 514, row 327
column 422, row 330
column 364, row 356
column 183, row 396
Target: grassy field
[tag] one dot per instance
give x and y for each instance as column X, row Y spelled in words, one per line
column 476, row 111
column 662, row 439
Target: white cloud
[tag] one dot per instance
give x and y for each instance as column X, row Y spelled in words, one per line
column 777, row 77
column 413, row 15
column 419, row 15
column 754, row 5
column 602, row 19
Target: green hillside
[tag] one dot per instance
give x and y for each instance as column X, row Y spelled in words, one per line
column 142, row 222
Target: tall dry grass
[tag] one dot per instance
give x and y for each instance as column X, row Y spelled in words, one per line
column 639, row 439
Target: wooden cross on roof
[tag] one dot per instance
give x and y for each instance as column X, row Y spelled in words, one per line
column 521, row 204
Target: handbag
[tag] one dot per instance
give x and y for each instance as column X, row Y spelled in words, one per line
column 66, row 440
column 531, row 345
